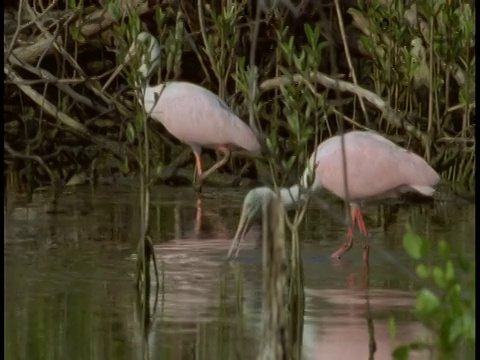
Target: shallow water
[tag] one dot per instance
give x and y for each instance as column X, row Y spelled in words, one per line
column 69, row 290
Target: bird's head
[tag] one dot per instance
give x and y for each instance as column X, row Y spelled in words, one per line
column 251, row 212
column 147, row 49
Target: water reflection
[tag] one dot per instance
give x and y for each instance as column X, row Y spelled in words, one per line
column 336, row 323
column 69, row 289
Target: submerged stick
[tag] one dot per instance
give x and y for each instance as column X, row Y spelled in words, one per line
column 274, row 339
column 55, row 181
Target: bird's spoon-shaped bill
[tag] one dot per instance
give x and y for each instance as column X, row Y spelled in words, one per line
column 243, row 226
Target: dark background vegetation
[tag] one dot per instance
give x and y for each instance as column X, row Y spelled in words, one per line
column 417, row 58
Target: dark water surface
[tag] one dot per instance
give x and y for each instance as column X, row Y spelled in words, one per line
column 69, row 290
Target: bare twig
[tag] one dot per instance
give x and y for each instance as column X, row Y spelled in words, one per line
column 17, row 30
column 65, row 88
column 364, row 24
column 45, row 104
column 349, row 58
column 71, row 124
column 52, row 81
column 194, row 47
column 92, row 24
column 390, row 114
column 203, row 32
column 253, row 76
column 36, row 158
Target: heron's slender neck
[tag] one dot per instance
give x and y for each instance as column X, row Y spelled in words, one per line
column 291, row 196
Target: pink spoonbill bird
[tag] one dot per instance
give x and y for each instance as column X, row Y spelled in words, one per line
column 191, row 113
column 375, row 168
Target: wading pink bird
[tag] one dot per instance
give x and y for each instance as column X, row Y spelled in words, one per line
column 376, row 168
column 191, row 113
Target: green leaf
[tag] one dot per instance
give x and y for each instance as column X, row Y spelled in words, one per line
column 159, row 169
column 461, row 328
column 463, row 263
column 415, row 246
column 130, row 132
column 427, row 302
column 439, row 277
column 113, row 9
column 288, row 163
column 139, row 122
column 308, row 31
column 292, row 120
column 124, row 167
column 402, row 352
column 134, row 25
column 299, row 61
column 449, row 271
column 443, row 249
column 392, row 327
column 469, row 325
column 423, row 271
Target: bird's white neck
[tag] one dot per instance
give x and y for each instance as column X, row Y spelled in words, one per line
column 291, row 196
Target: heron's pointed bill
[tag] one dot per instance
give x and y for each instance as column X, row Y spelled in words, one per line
column 243, row 226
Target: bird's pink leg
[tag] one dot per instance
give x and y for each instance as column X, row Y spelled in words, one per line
column 219, row 164
column 366, row 250
column 357, row 216
column 352, row 224
column 363, row 231
column 198, row 161
column 347, row 245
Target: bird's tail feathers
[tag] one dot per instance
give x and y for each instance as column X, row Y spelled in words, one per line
column 424, row 190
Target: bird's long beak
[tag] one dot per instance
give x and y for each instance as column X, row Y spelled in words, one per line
column 243, row 226
column 120, row 67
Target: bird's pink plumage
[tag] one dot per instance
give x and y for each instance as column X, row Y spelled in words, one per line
column 375, row 167
column 199, row 118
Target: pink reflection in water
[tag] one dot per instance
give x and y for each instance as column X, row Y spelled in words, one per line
column 336, row 324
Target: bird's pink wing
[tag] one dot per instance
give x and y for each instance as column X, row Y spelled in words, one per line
column 374, row 168
column 195, row 115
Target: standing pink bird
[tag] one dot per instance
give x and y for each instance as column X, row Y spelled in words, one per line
column 375, row 168
column 191, row 113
